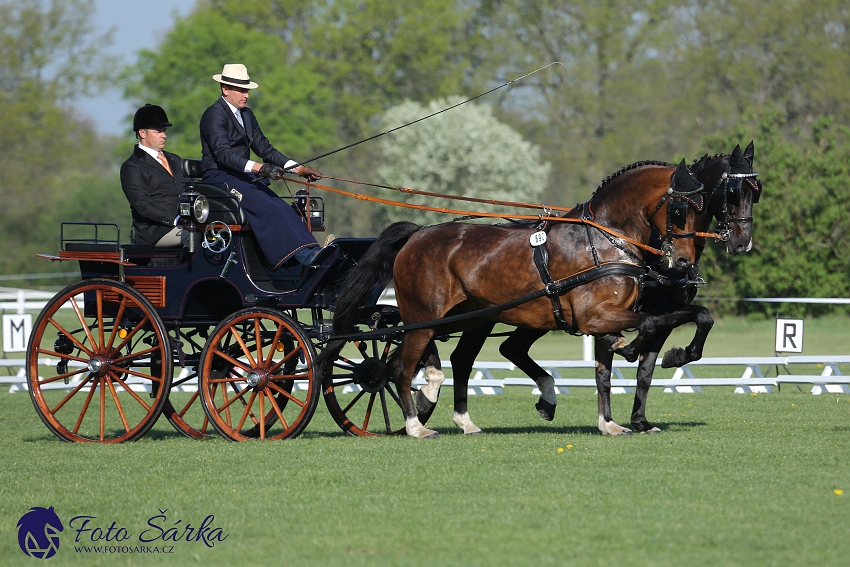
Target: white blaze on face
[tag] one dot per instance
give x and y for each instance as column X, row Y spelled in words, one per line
column 434, row 378
column 750, row 245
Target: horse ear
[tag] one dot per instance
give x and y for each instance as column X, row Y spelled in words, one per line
column 735, row 160
column 682, row 179
column 749, row 153
column 699, row 166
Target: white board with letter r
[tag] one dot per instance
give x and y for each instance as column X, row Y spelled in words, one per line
column 789, row 335
column 16, row 332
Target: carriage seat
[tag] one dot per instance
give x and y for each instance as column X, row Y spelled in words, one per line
column 224, row 207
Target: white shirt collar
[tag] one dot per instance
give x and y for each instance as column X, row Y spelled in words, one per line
column 233, row 109
column 151, row 152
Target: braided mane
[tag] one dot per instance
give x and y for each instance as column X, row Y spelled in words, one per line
column 635, row 165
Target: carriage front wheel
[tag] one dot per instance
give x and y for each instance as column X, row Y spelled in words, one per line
column 256, row 377
column 99, row 363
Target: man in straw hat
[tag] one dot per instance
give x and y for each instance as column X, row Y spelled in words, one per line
column 152, row 180
column 229, row 131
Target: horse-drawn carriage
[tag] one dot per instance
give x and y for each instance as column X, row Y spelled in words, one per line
column 104, row 354
column 205, row 334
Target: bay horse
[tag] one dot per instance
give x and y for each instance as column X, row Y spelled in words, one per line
column 455, row 268
column 732, row 189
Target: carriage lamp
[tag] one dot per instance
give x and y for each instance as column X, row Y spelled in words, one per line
column 279, row 347
column 194, row 207
column 122, row 333
column 316, row 209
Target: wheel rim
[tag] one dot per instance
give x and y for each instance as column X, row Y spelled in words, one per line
column 359, row 392
column 114, row 363
column 257, row 379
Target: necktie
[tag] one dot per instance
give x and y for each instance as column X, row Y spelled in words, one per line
column 161, row 157
column 239, row 117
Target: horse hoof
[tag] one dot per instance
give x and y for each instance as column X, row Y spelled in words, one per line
column 650, row 431
column 479, row 432
column 545, row 409
column 429, row 434
column 673, row 358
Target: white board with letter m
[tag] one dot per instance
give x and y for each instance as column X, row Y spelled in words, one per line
column 16, row 332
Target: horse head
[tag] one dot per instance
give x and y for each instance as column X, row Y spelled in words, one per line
column 742, row 190
column 675, row 217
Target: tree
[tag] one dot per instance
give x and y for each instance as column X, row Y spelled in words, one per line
column 801, row 234
column 48, row 56
column 464, row 151
column 292, row 102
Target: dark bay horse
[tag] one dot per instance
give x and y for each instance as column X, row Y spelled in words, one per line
column 732, row 187
column 455, row 268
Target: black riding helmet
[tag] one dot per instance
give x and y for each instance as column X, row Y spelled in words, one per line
column 150, row 116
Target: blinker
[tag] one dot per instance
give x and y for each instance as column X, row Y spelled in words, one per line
column 679, row 213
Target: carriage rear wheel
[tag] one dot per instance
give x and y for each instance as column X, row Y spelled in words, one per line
column 183, row 408
column 358, row 387
column 108, row 363
column 256, row 378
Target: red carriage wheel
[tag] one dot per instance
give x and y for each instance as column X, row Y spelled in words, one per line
column 256, row 377
column 358, row 387
column 110, row 363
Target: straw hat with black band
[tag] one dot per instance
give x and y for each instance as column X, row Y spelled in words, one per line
column 235, row 75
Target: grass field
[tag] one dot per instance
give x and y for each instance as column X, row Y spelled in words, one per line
column 733, row 480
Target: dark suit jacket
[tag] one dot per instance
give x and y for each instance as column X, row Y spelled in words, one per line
column 226, row 145
column 154, row 195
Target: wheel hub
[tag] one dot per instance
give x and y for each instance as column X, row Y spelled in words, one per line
column 257, row 379
column 372, row 375
column 98, row 366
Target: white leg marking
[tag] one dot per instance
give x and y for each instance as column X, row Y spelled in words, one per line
column 463, row 421
column 547, row 390
column 434, row 379
column 612, row 428
column 415, row 428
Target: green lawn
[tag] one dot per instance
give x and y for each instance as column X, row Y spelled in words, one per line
column 733, row 480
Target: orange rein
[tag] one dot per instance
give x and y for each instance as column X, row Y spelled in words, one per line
column 362, row 197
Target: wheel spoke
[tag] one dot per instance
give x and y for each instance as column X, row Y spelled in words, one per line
column 368, row 412
column 129, row 336
column 70, row 336
column 135, row 355
column 386, row 413
column 359, row 395
column 285, row 393
column 61, row 356
column 140, row 375
column 61, row 376
column 290, row 376
column 71, row 394
column 83, row 323
column 192, row 399
column 231, row 360
column 245, row 349
column 247, row 411
column 100, row 382
column 285, row 359
column 277, row 410
column 274, row 345
column 259, row 342
column 116, row 323
column 99, row 296
column 262, row 407
column 229, row 401
column 118, row 405
column 130, row 391
column 85, row 407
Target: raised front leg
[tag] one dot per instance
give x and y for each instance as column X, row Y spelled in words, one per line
column 676, row 356
column 604, row 360
column 462, row 358
column 515, row 348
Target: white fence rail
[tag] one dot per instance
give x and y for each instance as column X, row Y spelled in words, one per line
column 753, row 375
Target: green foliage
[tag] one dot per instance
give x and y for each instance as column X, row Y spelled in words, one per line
column 291, row 103
column 465, row 151
column 802, row 224
column 48, row 56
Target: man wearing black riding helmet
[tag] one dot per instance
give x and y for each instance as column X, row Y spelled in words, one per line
column 229, row 132
column 152, row 180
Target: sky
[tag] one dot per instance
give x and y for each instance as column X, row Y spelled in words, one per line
column 138, row 25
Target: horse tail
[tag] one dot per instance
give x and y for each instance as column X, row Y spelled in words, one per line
column 373, row 272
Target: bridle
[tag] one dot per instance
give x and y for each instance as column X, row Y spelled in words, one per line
column 677, row 214
column 732, row 195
